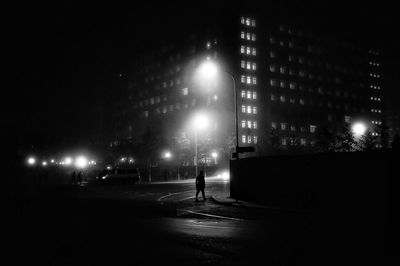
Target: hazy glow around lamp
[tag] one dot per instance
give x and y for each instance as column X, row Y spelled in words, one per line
column 358, row 129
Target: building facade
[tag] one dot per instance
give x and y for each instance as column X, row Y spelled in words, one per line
column 289, row 82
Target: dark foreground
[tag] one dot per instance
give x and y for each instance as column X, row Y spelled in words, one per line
column 161, row 224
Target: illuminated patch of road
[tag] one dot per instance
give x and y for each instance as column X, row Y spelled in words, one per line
column 161, row 199
column 174, row 194
column 210, row 215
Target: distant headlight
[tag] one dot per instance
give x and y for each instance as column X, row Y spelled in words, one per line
column 104, row 177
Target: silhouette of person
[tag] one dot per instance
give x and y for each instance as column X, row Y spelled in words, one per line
column 79, row 177
column 200, row 185
column 73, row 177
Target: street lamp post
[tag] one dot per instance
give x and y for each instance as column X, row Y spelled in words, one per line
column 236, row 113
column 209, row 69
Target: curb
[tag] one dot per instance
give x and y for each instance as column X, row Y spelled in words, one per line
column 258, row 207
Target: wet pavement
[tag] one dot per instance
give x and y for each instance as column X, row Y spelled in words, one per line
column 149, row 224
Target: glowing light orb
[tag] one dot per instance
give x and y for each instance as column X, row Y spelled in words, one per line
column 359, row 129
column 81, row 162
column 31, row 161
column 208, row 69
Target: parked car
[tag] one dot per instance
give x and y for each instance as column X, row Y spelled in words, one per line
column 119, row 175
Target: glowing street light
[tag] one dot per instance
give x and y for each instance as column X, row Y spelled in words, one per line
column 44, row 163
column 31, row 161
column 358, row 129
column 81, row 162
column 68, row 161
column 215, row 156
column 167, row 155
column 208, row 70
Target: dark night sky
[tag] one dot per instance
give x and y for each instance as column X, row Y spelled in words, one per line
column 65, row 57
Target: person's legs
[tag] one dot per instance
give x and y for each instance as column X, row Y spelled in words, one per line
column 202, row 192
column 197, row 193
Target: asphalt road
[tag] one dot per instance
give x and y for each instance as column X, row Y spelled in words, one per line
column 150, row 224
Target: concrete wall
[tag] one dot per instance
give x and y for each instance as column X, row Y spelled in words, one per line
column 344, row 182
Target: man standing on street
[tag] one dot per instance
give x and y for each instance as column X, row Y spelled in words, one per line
column 200, row 185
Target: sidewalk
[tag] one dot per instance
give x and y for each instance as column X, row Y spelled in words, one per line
column 224, row 198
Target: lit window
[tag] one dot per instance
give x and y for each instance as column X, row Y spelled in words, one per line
column 242, row 20
column 255, row 124
column 146, row 113
column 248, row 80
column 254, row 95
column 254, row 80
column 248, row 65
column 253, row 51
column 249, row 123
column 243, row 138
column 283, row 84
column 253, row 22
column 185, row 91
column 254, row 66
column 242, row 34
column 292, row 128
column 151, row 101
column 249, row 109
column 248, row 36
column 313, row 128
column 242, row 49
column 282, row 70
column 243, row 78
column 292, row 85
column 243, row 108
column 274, row 125
column 255, row 139
column 248, row 50
column 249, row 139
column 283, row 126
column 272, row 54
column 248, row 94
column 243, row 123
column 242, row 64
column 272, row 68
column 247, row 22
column 253, row 37
column 292, row 100
column 283, row 98
column 273, row 97
column 243, row 93
column 301, row 101
column 284, row 141
column 273, row 82
column 254, row 110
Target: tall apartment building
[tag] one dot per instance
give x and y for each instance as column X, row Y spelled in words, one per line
column 288, row 78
